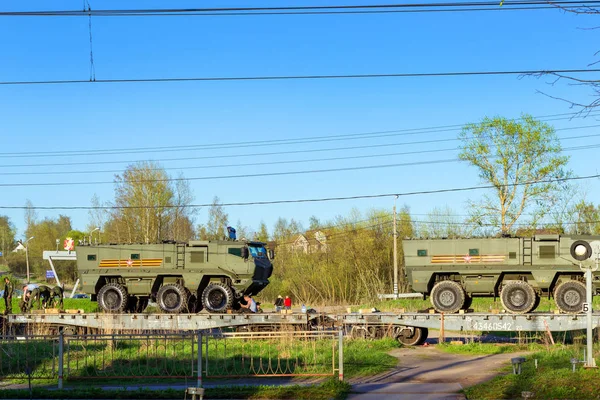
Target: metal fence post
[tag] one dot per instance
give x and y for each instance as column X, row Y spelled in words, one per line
column 199, row 383
column 61, row 352
column 341, row 355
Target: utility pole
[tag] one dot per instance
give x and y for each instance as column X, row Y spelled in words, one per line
column 395, row 252
column 26, row 244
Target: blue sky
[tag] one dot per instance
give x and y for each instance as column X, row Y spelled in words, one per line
column 55, row 119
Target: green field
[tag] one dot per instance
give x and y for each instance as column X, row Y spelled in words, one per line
column 553, row 379
column 328, row 390
column 480, row 304
column 103, row 359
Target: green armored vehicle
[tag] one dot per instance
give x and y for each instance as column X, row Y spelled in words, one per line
column 518, row 270
column 179, row 277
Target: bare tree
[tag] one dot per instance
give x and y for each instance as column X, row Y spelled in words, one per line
column 593, row 84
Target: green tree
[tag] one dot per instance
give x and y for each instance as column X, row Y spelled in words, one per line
column 522, row 161
column 263, row 234
column 46, row 233
column 216, row 226
column 242, row 231
column 30, row 216
column 587, row 219
column 7, row 237
column 149, row 206
column 314, row 223
column 284, row 230
column 443, row 223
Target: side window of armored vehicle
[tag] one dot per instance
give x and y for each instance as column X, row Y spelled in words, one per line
column 197, row 256
column 473, row 252
column 235, row 251
column 422, row 253
column 91, row 257
column 257, row 252
column 547, row 252
column 135, row 256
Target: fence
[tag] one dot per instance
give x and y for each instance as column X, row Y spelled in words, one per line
column 172, row 356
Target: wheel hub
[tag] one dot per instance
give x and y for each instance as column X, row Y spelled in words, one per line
column 518, row 298
column 171, row 299
column 572, row 298
column 447, row 298
column 216, row 299
column 112, row 299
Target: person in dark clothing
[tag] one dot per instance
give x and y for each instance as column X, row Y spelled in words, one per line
column 56, row 297
column 278, row 303
column 41, row 295
column 8, row 292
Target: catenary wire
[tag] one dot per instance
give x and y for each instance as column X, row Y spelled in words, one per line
column 305, row 77
column 266, row 163
column 294, row 201
column 252, row 154
column 273, row 142
column 308, row 8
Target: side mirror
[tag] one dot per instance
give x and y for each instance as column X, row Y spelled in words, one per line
column 271, row 254
column 245, row 253
column 581, row 250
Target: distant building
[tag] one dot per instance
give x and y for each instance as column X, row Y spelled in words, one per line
column 20, row 247
column 310, row 242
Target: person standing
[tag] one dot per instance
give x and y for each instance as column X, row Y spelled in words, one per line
column 8, row 292
column 279, row 303
column 287, row 303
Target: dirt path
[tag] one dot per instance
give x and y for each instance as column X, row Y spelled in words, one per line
column 426, row 372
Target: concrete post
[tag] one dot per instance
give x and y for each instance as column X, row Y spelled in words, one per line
column 395, row 288
column 199, row 362
column 61, row 353
column 590, row 361
column 341, row 355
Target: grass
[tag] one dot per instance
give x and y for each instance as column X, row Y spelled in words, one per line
column 365, row 358
column 480, row 304
column 103, row 360
column 553, row 379
column 331, row 389
column 488, row 348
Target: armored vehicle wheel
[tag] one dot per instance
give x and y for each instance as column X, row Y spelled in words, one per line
column 112, row 297
column 538, row 299
column 448, row 297
column 468, row 302
column 137, row 304
column 217, row 297
column 172, row 298
column 415, row 337
column 518, row 297
column 570, row 296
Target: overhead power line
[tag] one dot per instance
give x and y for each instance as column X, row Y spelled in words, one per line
column 305, row 77
column 317, row 200
column 277, row 142
column 257, row 175
column 410, row 131
column 318, row 9
column 356, row 157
